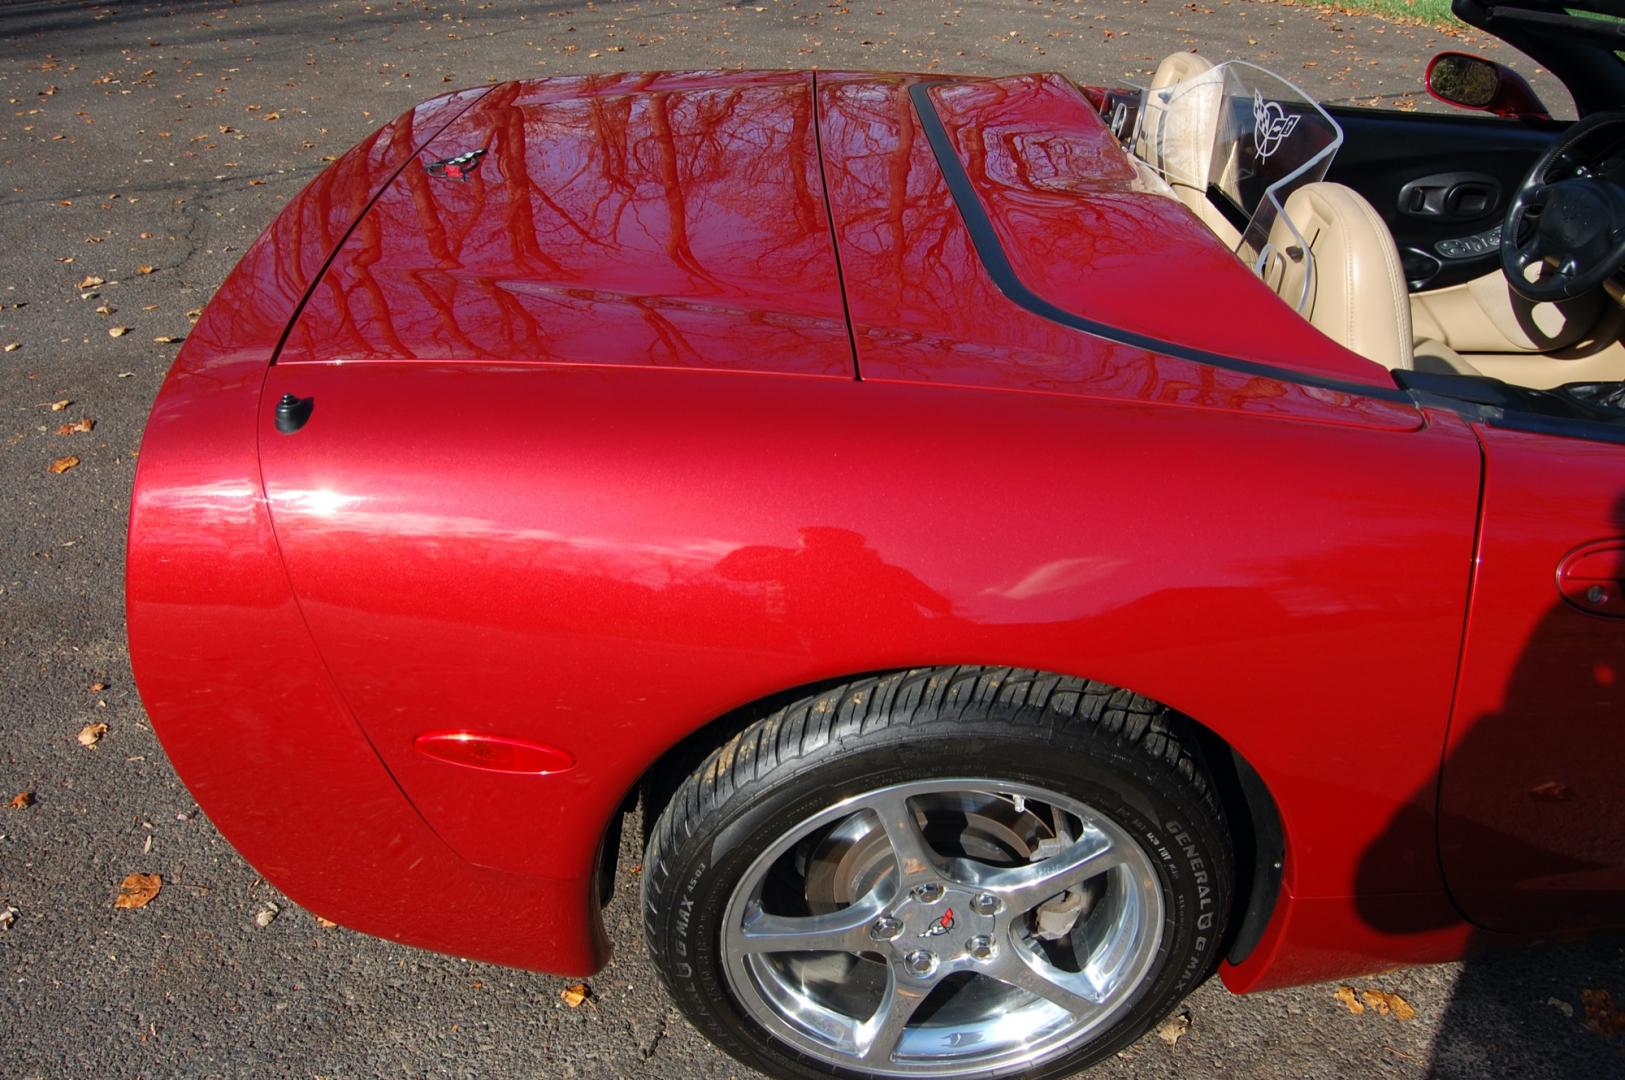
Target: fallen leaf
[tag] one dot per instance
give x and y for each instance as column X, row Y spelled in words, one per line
column 13, row 346
column 91, row 734
column 8, row 915
column 22, row 800
column 118, row 331
column 1346, row 995
column 575, row 994
column 106, row 309
column 1174, row 1028
column 98, row 686
column 137, row 890
column 325, row 924
column 266, row 915
column 58, row 406
column 1385, row 1003
column 1602, row 1015
column 166, row 339
column 84, row 423
column 90, row 281
column 57, row 468
column 145, row 269
column 195, row 314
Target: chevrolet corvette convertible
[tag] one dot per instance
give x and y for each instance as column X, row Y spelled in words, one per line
column 1023, row 547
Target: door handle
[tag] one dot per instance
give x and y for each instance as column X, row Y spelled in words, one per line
column 1457, row 196
column 1592, row 578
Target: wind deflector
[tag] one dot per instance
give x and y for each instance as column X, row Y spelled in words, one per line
column 1249, row 139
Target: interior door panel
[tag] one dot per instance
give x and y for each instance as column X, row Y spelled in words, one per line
column 1440, row 181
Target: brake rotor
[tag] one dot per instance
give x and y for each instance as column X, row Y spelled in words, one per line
column 854, row 857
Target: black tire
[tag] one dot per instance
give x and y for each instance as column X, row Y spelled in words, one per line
column 1121, row 753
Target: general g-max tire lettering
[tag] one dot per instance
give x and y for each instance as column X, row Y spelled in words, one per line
column 789, row 836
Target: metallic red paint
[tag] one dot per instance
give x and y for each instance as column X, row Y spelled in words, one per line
column 234, row 685
column 605, row 475
column 684, row 210
column 1532, row 833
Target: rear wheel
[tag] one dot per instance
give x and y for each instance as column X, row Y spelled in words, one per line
column 943, row 872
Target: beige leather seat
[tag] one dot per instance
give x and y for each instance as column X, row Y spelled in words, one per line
column 1356, row 292
column 1349, row 283
column 1177, row 139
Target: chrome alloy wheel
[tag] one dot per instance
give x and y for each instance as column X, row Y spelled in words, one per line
column 943, row 927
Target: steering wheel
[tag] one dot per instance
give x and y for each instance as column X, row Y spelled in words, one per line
column 1569, row 213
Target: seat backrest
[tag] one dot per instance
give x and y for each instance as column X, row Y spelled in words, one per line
column 1179, row 143
column 1350, row 284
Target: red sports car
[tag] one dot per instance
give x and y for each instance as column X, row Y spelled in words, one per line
column 1025, row 545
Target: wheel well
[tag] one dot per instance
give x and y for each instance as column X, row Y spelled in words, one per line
column 1253, row 818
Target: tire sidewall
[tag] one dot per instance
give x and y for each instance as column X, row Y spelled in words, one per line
column 1176, row 831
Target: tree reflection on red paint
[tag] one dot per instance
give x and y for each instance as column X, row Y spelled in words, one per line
column 639, row 219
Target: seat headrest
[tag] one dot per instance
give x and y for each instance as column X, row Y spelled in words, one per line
column 1178, row 141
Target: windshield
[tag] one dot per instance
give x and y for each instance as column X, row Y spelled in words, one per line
column 1244, row 138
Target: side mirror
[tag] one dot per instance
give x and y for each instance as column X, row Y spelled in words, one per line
column 1473, row 82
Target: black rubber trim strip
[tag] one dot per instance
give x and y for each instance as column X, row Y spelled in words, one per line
column 1559, row 427
column 1489, row 401
column 997, row 265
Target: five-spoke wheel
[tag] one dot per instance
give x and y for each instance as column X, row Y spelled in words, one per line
column 945, row 926
column 941, row 872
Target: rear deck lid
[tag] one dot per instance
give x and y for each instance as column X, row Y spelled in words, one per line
column 669, row 219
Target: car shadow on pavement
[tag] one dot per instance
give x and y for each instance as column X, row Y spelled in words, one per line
column 1529, row 797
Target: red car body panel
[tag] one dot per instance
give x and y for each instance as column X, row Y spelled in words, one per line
column 1532, row 836
column 603, row 474
column 685, row 211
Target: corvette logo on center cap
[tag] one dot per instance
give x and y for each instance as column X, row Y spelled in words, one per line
column 456, row 168
column 940, row 926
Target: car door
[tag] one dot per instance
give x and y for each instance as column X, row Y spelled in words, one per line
column 1532, row 808
column 1440, row 181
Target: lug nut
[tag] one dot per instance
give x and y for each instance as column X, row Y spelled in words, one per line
column 980, row 947
column 920, row 963
column 929, row 893
column 885, row 928
column 986, row 904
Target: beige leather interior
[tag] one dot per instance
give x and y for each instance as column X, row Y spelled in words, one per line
column 1348, row 283
column 1485, row 315
column 1353, row 288
column 1491, row 330
column 1181, row 152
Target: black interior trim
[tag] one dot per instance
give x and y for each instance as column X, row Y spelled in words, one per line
column 1589, row 69
column 1608, row 35
column 997, row 264
column 1220, row 200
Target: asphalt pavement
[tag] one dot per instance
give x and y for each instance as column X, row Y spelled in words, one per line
column 144, row 146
